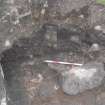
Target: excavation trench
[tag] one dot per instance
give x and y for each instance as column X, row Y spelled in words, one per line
column 27, row 77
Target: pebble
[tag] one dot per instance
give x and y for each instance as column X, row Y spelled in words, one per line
column 98, row 28
column 7, row 43
column 94, row 47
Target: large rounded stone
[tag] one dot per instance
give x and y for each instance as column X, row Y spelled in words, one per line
column 79, row 79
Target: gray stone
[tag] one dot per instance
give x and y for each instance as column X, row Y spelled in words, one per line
column 79, row 79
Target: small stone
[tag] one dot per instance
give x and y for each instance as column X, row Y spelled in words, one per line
column 7, row 43
column 75, row 39
column 40, row 77
column 43, row 11
column 56, row 87
column 46, row 4
column 16, row 22
column 94, row 47
column 98, row 28
column 81, row 16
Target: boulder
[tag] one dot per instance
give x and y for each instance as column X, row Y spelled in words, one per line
column 80, row 79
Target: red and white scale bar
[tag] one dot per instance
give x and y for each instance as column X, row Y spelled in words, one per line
column 64, row 63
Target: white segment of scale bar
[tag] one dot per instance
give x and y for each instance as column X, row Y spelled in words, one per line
column 59, row 62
